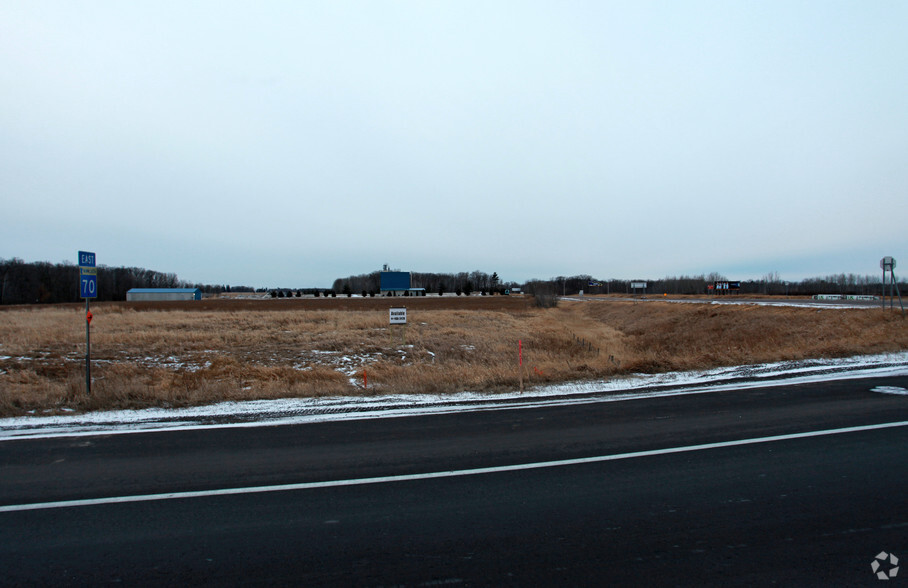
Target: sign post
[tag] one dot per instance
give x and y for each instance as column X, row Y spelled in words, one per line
column 398, row 316
column 88, row 289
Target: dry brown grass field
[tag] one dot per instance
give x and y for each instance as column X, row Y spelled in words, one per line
column 182, row 354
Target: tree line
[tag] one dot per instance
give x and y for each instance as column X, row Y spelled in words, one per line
column 434, row 283
column 771, row 284
column 45, row 282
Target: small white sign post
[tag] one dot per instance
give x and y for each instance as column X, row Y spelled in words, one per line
column 398, row 316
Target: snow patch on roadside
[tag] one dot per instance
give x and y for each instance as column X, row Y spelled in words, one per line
column 308, row 410
column 798, row 303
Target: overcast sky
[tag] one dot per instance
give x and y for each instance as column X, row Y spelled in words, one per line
column 291, row 143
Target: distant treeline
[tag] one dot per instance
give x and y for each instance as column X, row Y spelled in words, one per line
column 434, row 283
column 769, row 284
column 44, row 282
column 478, row 281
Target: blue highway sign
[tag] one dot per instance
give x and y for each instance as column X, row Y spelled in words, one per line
column 86, row 259
column 88, row 275
column 88, row 286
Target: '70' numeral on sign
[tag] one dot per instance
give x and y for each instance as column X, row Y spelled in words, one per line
column 88, row 287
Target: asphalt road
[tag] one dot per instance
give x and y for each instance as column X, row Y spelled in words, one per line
column 802, row 510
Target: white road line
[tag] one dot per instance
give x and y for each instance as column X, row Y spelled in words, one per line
column 890, row 390
column 433, row 475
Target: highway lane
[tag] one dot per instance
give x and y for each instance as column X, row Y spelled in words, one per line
column 805, row 511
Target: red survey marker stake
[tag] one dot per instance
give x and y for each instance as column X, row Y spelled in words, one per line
column 520, row 362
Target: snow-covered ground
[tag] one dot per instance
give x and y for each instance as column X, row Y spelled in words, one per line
column 312, row 410
column 732, row 301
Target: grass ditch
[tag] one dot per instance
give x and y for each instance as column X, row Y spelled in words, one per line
column 184, row 357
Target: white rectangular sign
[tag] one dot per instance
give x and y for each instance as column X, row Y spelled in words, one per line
column 398, row 316
column 636, row 285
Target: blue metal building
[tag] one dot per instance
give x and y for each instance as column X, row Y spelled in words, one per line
column 398, row 284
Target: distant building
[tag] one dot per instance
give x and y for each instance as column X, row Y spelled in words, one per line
column 398, row 284
column 150, row 294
